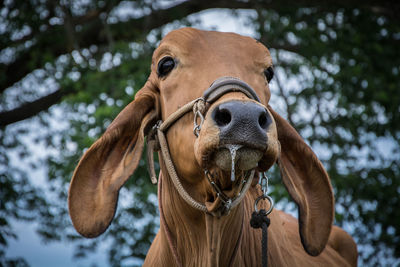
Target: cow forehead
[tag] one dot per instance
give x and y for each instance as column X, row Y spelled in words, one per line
column 189, row 43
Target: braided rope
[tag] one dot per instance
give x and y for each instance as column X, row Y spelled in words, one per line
column 178, row 114
column 172, row 173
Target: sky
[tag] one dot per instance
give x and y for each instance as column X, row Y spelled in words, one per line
column 60, row 254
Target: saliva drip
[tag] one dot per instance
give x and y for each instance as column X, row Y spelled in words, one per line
column 232, row 150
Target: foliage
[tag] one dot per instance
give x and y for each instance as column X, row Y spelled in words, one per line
column 346, row 67
column 336, row 78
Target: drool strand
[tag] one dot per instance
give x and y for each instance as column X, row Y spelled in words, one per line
column 232, row 150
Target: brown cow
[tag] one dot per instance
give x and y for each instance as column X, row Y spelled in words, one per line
column 205, row 206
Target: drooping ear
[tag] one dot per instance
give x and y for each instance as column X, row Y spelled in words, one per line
column 108, row 163
column 308, row 184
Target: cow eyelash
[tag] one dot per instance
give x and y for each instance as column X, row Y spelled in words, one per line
column 269, row 73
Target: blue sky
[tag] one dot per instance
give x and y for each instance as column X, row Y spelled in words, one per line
column 38, row 254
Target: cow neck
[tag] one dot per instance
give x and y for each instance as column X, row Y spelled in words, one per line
column 196, row 238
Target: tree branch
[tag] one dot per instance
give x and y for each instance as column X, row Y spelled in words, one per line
column 30, row 109
column 53, row 42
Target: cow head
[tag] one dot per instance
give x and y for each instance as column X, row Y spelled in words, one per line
column 185, row 64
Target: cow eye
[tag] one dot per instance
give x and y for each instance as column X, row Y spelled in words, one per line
column 269, row 73
column 165, row 66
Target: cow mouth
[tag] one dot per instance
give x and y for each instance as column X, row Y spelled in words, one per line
column 229, row 168
column 233, row 157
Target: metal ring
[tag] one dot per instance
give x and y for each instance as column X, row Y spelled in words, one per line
column 271, row 202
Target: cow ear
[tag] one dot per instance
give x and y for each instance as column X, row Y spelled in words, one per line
column 308, row 184
column 108, row 163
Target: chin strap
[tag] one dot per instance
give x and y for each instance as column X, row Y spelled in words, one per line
column 229, row 203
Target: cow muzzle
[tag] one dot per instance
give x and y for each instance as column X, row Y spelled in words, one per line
column 236, row 132
column 242, row 134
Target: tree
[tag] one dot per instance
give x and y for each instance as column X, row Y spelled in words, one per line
column 70, row 67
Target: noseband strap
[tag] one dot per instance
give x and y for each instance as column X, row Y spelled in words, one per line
column 156, row 139
column 225, row 85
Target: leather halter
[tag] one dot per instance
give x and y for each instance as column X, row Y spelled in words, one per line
column 156, row 139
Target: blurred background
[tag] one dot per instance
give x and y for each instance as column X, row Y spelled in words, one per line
column 67, row 68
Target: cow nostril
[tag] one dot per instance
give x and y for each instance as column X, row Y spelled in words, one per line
column 263, row 120
column 222, row 117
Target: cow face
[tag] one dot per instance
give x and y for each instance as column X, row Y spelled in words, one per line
column 187, row 62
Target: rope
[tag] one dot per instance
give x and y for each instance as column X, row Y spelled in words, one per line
column 178, row 114
column 172, row 173
column 151, row 144
column 260, row 220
